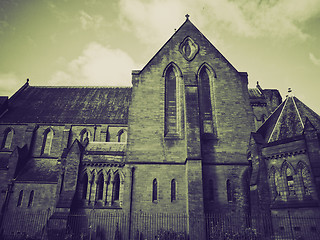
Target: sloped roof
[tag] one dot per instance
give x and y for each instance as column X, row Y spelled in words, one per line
column 288, row 120
column 255, row 93
column 87, row 105
column 39, row 170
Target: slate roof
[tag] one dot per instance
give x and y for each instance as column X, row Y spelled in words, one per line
column 288, row 120
column 39, row 170
column 255, row 93
column 86, row 105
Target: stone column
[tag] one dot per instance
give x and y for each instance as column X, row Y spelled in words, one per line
column 195, row 207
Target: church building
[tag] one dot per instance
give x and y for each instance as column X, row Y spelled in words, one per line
column 187, row 141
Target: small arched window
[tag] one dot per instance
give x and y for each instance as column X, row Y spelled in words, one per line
column 7, row 138
column 154, row 190
column 116, row 188
column 84, row 186
column 229, row 191
column 84, row 135
column 173, row 190
column 31, row 198
column 47, row 142
column 20, row 198
column 100, row 185
column 122, row 136
column 210, row 190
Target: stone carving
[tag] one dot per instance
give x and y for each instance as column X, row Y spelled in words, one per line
column 188, row 48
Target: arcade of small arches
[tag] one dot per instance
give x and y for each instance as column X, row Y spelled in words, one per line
column 289, row 182
column 103, row 188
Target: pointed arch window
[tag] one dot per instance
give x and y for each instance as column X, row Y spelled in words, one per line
column 84, row 135
column 205, row 100
column 306, row 179
column 31, row 198
column 290, row 181
column 116, row 188
column 100, row 185
column 173, row 190
column 172, row 113
column 122, row 136
column 275, row 181
column 84, row 186
column 47, row 142
column 20, row 198
column 7, row 138
column 154, row 190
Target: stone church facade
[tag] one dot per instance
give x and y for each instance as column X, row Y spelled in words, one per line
column 188, row 137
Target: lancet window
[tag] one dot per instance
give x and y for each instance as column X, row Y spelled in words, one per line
column 7, row 138
column 47, row 141
column 100, row 185
column 173, row 190
column 31, row 198
column 116, row 188
column 20, row 198
column 154, row 190
column 172, row 109
column 205, row 99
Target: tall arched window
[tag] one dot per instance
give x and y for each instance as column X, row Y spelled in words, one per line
column 20, row 198
column 154, row 190
column 31, row 198
column 47, row 141
column 100, row 185
column 84, row 135
column 122, row 136
column 229, row 191
column 173, row 190
column 116, row 188
column 210, row 190
column 171, row 101
column 7, row 138
column 84, row 186
column 290, row 181
column 205, row 100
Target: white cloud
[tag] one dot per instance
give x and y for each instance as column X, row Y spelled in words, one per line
column 88, row 21
column 97, row 66
column 314, row 59
column 278, row 18
column 8, row 82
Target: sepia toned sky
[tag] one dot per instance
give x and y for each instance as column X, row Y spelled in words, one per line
column 99, row 42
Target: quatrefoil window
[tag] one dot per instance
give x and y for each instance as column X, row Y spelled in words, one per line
column 188, row 48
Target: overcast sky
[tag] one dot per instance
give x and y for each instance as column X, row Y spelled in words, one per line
column 99, row 42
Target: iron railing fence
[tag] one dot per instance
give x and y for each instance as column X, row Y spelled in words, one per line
column 115, row 226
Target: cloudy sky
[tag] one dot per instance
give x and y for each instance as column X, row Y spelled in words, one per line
column 99, row 42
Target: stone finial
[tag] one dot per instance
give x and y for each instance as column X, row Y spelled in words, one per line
column 290, row 93
column 187, row 16
column 27, row 80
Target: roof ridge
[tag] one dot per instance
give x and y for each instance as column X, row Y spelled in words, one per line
column 297, row 111
column 274, row 127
